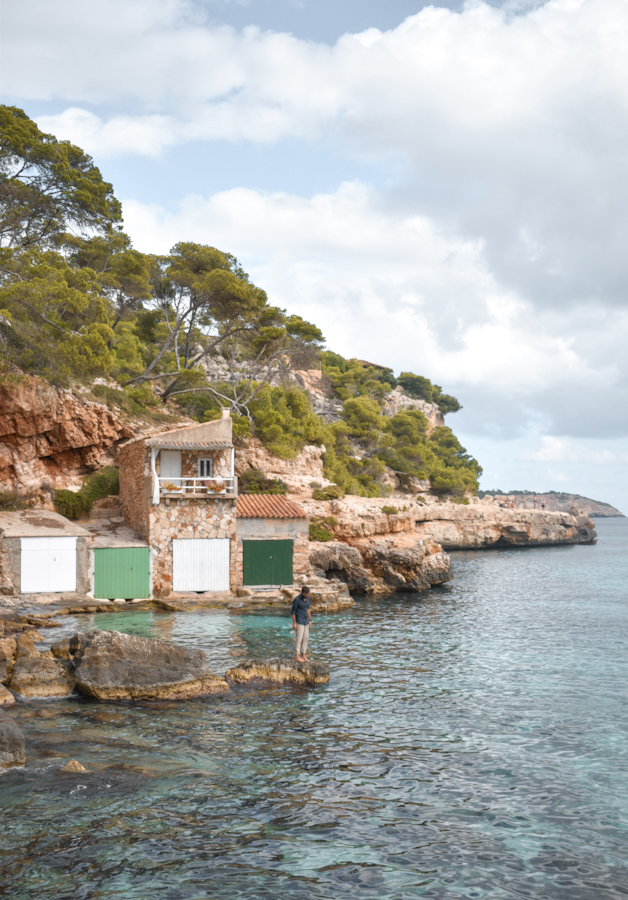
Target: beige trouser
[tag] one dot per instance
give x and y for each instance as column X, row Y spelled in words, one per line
column 300, row 641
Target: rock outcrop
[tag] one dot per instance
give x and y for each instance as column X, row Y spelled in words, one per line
column 378, row 567
column 339, row 562
column 110, row 665
column 397, row 401
column 50, row 435
column 297, row 474
column 285, row 671
column 12, row 744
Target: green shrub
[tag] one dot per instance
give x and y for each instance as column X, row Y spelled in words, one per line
column 143, row 395
column 74, row 504
column 255, row 482
column 10, row 501
column 422, row 389
column 318, row 532
column 71, row 504
column 332, row 492
column 101, row 484
column 390, row 510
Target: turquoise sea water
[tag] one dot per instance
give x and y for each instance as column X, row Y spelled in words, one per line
column 472, row 742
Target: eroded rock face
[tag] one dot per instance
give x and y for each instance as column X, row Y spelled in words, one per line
column 285, row 671
column 337, row 561
column 52, row 435
column 12, row 744
column 381, row 566
column 115, row 666
column 40, row 677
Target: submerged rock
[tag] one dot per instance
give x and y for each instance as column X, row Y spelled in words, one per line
column 74, row 766
column 115, row 666
column 281, row 670
column 40, row 677
column 12, row 744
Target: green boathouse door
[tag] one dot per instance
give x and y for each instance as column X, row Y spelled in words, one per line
column 122, row 573
column 267, row 562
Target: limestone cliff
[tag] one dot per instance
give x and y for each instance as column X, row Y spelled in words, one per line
column 50, row 435
column 482, row 524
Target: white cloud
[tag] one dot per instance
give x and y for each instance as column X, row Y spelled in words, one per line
column 496, row 264
column 386, row 286
column 514, row 125
column 560, row 449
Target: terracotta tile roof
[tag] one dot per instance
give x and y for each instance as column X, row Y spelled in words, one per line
column 267, row 506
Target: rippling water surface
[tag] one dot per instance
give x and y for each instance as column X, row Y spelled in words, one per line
column 472, row 742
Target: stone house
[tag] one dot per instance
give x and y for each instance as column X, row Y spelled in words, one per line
column 178, row 492
column 272, row 541
column 43, row 552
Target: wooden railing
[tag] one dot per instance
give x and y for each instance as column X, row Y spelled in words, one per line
column 198, row 487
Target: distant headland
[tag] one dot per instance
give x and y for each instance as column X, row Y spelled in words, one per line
column 556, row 501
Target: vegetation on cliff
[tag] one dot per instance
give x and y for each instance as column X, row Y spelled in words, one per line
column 185, row 331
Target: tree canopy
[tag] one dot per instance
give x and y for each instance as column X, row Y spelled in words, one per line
column 47, row 187
column 78, row 302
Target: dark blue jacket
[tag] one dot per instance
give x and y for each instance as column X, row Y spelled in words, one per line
column 300, row 606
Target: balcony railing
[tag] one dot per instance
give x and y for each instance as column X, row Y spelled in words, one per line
column 206, row 488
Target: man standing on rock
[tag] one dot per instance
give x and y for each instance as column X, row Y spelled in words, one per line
column 301, row 622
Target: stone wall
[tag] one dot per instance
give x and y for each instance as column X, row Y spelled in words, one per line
column 295, row 530
column 135, row 486
column 190, row 458
column 183, row 519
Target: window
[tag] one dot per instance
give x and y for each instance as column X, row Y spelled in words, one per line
column 205, row 467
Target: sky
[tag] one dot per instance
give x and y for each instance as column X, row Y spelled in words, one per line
column 441, row 188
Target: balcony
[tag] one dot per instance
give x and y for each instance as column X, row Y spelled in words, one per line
column 198, row 488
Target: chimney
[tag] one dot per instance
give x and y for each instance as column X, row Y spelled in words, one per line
column 225, row 413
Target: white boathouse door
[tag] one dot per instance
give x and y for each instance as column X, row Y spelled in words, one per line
column 200, row 564
column 48, row 564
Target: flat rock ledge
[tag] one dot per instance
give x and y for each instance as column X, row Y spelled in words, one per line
column 110, row 665
column 285, row 671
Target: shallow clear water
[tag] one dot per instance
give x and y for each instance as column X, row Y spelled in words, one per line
column 472, row 742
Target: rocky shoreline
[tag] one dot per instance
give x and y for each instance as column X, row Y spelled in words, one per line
column 111, row 665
